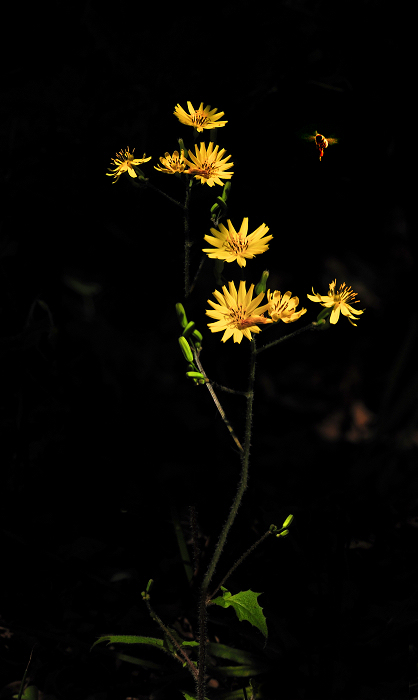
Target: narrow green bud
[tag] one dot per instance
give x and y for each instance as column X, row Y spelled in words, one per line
column 227, row 188
column 261, row 286
column 181, row 315
column 197, row 335
column 195, row 375
column 185, row 348
column 288, row 521
column 189, row 329
column 182, row 147
column 283, row 534
column 222, row 204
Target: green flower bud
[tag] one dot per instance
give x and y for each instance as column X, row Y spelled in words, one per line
column 195, row 375
column 181, row 315
column 185, row 348
column 197, row 335
column 261, row 286
column 189, row 329
column 288, row 521
column 182, row 147
column 227, row 188
column 283, row 534
column 222, row 204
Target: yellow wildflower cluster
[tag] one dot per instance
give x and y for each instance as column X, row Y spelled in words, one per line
column 236, row 313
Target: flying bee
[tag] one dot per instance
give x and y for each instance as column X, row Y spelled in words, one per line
column 321, row 142
column 252, row 321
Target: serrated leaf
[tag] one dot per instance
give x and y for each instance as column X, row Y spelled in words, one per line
column 246, row 607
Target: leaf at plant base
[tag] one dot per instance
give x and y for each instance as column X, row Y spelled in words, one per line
column 129, row 639
column 246, row 607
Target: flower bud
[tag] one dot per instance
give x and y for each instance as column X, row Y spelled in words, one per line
column 283, row 534
column 181, row 315
column 182, row 147
column 261, row 286
column 185, row 348
column 288, row 521
column 195, row 375
column 189, row 329
column 227, row 188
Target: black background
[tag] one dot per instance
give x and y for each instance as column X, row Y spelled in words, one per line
column 103, row 436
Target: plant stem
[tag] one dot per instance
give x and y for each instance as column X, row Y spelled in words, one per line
column 237, row 563
column 245, row 458
column 309, row 327
column 174, row 641
column 218, row 405
column 167, row 196
column 187, row 242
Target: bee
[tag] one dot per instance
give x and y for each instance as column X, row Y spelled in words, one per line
column 321, row 142
column 252, row 321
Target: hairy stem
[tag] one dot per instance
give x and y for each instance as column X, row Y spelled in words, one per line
column 245, row 459
column 187, row 242
column 218, row 405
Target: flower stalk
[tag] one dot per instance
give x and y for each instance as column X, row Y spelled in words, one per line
column 245, row 460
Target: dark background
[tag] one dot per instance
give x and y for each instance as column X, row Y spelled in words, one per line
column 104, row 439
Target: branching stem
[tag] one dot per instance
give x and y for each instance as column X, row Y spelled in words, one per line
column 245, row 459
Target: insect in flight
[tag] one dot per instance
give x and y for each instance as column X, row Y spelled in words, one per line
column 321, row 142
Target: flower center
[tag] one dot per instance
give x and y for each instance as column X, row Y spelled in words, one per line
column 233, row 245
column 343, row 295
column 237, row 317
column 200, row 118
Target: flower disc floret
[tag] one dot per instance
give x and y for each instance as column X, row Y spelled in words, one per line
column 283, row 307
column 208, row 166
column 202, row 118
column 237, row 313
column 230, row 245
column 124, row 162
column 172, row 164
column 337, row 300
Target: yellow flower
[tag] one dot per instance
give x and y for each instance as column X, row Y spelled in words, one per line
column 172, row 164
column 230, row 245
column 124, row 162
column 208, row 165
column 283, row 308
column 237, row 313
column 202, row 118
column 338, row 302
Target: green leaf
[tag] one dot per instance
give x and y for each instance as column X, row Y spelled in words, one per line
column 222, row 651
column 129, row 639
column 246, row 607
column 30, row 693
